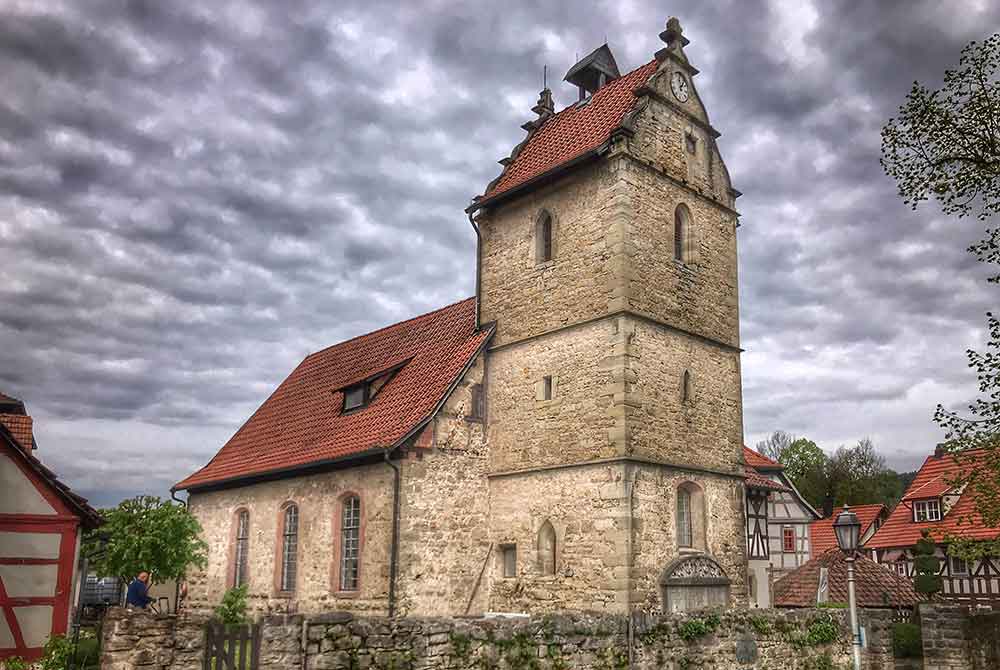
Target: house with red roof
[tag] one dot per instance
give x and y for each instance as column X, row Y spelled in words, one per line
column 41, row 524
column 569, row 438
column 778, row 526
column 821, row 532
column 823, row 579
column 939, row 501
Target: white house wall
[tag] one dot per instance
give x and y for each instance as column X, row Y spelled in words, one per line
column 19, row 495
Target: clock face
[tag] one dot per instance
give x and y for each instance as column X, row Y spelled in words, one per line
column 679, row 86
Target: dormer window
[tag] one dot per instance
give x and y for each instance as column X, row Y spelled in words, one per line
column 362, row 393
column 926, row 510
column 355, row 397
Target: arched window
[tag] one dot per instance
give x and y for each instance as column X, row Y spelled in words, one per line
column 547, row 549
column 350, row 543
column 686, row 386
column 684, row 530
column 682, row 230
column 543, row 238
column 690, row 517
column 289, row 547
column 241, row 548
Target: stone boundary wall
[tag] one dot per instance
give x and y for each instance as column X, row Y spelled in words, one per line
column 984, row 638
column 759, row 639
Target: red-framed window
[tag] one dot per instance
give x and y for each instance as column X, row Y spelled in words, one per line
column 788, row 540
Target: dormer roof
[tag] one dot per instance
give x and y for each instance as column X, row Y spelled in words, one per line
column 594, row 70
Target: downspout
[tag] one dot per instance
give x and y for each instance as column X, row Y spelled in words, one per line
column 479, row 267
column 394, row 547
column 177, row 582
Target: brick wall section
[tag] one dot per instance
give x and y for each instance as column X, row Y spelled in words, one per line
column 945, row 630
column 585, row 641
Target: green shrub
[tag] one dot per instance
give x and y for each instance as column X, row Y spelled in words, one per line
column 233, row 608
column 697, row 627
column 907, row 641
column 15, row 663
column 822, row 632
column 833, row 606
column 926, row 565
column 760, row 624
column 56, row 653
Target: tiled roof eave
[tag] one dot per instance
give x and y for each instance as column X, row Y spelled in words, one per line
column 539, row 179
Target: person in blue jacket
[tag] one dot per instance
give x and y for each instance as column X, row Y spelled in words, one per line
column 137, row 595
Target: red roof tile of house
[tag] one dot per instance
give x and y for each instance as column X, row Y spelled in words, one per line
column 19, row 426
column 821, row 533
column 757, row 460
column 574, row 131
column 875, row 585
column 302, row 422
column 937, row 476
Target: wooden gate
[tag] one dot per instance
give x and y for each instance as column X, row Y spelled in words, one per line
column 232, row 647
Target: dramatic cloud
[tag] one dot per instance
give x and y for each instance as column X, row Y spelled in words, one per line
column 194, row 196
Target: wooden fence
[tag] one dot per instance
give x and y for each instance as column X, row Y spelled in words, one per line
column 232, row 647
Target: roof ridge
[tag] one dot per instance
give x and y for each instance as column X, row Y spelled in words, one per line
column 387, row 327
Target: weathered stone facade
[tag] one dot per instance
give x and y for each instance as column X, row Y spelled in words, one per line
column 612, row 392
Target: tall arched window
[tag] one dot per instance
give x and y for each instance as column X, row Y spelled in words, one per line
column 682, row 231
column 350, row 543
column 289, row 548
column 543, row 238
column 690, row 517
column 241, row 548
column 547, row 549
column 684, row 531
column 686, row 386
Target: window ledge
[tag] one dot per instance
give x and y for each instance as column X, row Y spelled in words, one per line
column 554, row 402
column 284, row 595
column 347, row 594
column 545, row 264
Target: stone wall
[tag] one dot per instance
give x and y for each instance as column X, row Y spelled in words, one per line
column 984, row 638
column 945, row 630
column 723, row 640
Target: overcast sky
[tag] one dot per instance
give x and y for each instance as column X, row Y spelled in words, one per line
column 193, row 196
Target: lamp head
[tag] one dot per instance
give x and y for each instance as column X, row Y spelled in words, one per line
column 847, row 528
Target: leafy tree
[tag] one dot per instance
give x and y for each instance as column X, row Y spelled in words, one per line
column 945, row 144
column 926, row 566
column 858, row 475
column 146, row 533
column 806, row 465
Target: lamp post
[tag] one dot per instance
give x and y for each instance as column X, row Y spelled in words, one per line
column 848, row 531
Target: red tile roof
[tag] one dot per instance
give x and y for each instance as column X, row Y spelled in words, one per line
column 935, row 477
column 875, row 585
column 757, row 460
column 302, row 423
column 821, row 533
column 19, row 426
column 574, row 131
column 89, row 517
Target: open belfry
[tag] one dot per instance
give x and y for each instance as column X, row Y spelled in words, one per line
column 569, row 439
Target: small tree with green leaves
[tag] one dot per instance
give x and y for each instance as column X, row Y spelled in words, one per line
column 146, row 533
column 233, row 608
column 926, row 565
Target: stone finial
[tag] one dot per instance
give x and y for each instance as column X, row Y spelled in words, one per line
column 674, row 34
column 545, row 106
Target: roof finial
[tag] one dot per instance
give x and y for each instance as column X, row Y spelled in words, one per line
column 674, row 38
column 545, row 76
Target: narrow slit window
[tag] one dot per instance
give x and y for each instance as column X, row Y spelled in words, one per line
column 289, row 548
column 685, row 534
column 509, row 556
column 547, row 388
column 350, row 547
column 242, row 547
column 547, row 549
column 686, row 386
column 476, row 409
column 543, row 243
column 691, row 143
column 681, row 222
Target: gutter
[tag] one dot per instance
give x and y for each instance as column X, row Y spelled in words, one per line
column 394, row 546
column 479, row 268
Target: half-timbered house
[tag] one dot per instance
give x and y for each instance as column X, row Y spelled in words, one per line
column 40, row 527
column 938, row 500
column 778, row 519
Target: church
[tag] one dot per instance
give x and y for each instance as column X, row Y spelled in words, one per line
column 570, row 438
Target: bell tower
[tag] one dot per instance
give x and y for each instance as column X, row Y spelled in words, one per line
column 608, row 263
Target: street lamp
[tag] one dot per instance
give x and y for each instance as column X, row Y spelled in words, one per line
column 848, row 531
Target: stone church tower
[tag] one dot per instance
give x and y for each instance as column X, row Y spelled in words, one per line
column 570, row 439
column 613, row 380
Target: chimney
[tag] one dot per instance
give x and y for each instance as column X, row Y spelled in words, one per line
column 593, row 71
column 15, row 419
column 827, row 506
